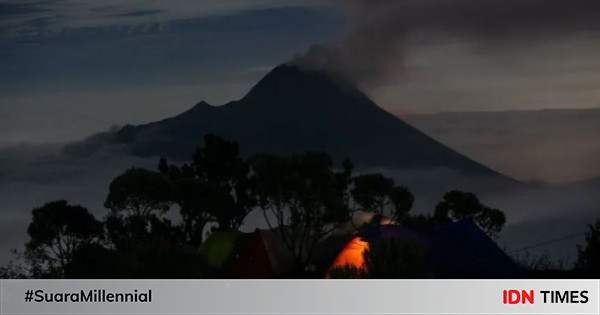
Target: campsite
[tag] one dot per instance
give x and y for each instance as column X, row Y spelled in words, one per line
column 454, row 251
column 184, row 221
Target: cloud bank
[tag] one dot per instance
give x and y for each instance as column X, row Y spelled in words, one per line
column 50, row 16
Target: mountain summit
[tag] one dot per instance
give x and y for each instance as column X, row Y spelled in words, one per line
column 294, row 110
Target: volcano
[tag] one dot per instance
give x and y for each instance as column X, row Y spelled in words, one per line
column 295, row 110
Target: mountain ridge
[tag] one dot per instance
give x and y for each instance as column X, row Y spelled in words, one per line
column 293, row 110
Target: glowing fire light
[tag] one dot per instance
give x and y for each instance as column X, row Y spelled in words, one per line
column 352, row 254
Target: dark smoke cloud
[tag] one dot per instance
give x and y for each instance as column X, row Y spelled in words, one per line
column 371, row 43
column 371, row 48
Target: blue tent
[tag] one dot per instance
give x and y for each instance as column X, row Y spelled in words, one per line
column 459, row 250
column 463, row 250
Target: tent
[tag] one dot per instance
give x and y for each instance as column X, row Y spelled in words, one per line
column 219, row 247
column 263, row 255
column 459, row 250
column 463, row 250
column 250, row 259
column 254, row 255
column 456, row 250
column 352, row 252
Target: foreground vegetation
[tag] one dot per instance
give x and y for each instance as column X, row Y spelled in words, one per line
column 157, row 219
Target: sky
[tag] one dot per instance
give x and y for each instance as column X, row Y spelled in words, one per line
column 70, row 68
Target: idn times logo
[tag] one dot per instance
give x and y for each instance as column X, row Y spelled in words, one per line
column 547, row 296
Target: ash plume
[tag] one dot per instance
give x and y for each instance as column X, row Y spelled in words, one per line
column 371, row 48
column 367, row 49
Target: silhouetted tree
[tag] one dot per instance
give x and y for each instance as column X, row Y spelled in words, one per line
column 138, row 199
column 124, row 232
column 343, row 195
column 154, row 259
column 459, row 205
column 225, row 175
column 371, row 191
column 420, row 222
column 95, row 261
column 57, row 230
column 347, row 271
column 398, row 258
column 377, row 193
column 214, row 187
column 301, row 198
column 139, row 192
column 588, row 258
column 15, row 269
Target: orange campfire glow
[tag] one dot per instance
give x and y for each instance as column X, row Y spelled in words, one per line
column 352, row 254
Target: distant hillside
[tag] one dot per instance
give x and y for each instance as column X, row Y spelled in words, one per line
column 557, row 145
column 292, row 110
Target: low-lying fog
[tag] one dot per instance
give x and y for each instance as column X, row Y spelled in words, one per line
column 556, row 147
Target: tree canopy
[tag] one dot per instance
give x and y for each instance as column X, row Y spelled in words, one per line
column 588, row 258
column 459, row 205
column 157, row 220
column 214, row 187
column 377, row 193
column 140, row 192
column 301, row 198
column 56, row 231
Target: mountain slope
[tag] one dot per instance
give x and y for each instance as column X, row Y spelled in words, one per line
column 293, row 110
column 550, row 145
